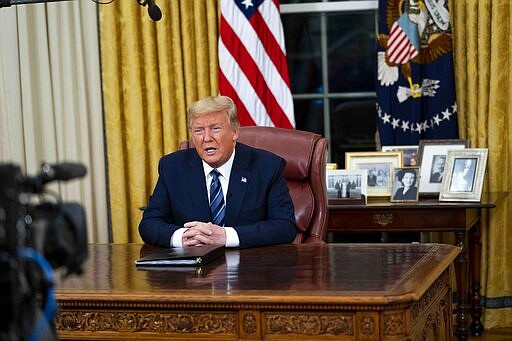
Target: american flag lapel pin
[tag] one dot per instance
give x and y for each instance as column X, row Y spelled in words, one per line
column 243, row 179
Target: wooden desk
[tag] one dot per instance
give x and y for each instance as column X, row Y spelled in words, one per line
column 430, row 215
column 331, row 291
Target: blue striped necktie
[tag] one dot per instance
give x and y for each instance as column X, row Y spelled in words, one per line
column 217, row 206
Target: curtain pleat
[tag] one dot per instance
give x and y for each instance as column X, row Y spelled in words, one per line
column 51, row 99
column 151, row 72
column 483, row 47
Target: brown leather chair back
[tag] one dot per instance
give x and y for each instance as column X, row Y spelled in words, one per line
column 305, row 154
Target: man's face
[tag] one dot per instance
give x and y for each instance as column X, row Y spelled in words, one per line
column 439, row 165
column 214, row 138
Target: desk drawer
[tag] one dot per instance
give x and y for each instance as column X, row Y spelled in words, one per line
column 356, row 220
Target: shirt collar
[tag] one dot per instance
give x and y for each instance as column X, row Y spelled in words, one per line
column 224, row 170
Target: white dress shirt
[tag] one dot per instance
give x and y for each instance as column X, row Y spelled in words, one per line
column 232, row 239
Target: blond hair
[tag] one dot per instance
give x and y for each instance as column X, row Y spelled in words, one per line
column 214, row 104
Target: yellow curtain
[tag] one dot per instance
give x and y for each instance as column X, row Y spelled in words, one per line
column 151, row 72
column 482, row 52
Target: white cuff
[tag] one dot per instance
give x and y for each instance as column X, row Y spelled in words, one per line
column 231, row 237
column 177, row 237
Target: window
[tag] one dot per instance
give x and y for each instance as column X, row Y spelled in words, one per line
column 331, row 50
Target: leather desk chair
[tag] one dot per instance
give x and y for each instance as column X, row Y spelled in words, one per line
column 305, row 154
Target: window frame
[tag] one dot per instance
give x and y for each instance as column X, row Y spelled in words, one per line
column 323, row 8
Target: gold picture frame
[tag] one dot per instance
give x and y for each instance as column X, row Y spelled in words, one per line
column 465, row 171
column 379, row 166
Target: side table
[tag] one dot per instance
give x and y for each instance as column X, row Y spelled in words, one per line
column 430, row 215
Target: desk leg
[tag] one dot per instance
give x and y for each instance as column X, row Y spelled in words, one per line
column 475, row 245
column 461, row 271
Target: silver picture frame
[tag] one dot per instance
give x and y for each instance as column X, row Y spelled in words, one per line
column 345, row 185
column 431, row 155
column 465, row 172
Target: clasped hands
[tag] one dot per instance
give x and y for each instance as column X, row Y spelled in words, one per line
column 199, row 233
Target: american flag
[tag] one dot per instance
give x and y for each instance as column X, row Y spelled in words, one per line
column 403, row 44
column 252, row 62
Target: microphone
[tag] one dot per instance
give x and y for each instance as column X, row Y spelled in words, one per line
column 153, row 10
column 63, row 171
column 8, row 3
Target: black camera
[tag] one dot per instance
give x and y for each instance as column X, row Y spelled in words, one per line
column 38, row 233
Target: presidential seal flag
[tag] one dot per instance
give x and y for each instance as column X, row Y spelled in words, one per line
column 252, row 62
column 415, row 80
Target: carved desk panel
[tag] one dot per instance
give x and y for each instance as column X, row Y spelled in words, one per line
column 332, row 291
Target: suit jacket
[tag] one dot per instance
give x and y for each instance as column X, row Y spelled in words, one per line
column 436, row 177
column 258, row 203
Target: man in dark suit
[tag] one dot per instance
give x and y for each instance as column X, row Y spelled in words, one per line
column 372, row 177
column 256, row 205
column 436, row 174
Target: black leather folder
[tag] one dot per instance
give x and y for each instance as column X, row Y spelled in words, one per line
column 185, row 256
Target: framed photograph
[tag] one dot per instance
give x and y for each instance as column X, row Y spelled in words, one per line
column 405, row 184
column 464, row 175
column 432, row 159
column 346, row 185
column 409, row 154
column 379, row 167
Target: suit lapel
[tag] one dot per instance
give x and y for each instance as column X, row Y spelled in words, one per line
column 197, row 190
column 238, row 184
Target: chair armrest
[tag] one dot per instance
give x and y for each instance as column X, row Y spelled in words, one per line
column 314, row 240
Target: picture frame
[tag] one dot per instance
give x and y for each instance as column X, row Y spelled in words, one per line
column 432, row 162
column 466, row 169
column 379, row 166
column 405, row 184
column 409, row 154
column 346, row 186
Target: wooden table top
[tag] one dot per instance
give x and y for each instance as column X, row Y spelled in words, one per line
column 488, row 200
column 337, row 273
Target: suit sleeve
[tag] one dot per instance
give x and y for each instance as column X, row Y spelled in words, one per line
column 277, row 223
column 156, row 226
